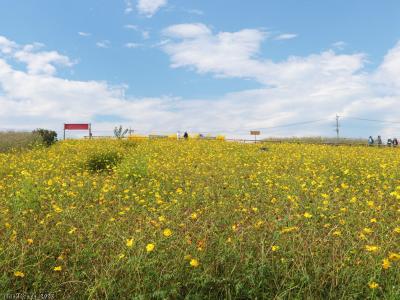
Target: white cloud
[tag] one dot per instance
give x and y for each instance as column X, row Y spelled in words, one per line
column 340, row 45
column 30, row 101
column 318, row 85
column 286, row 36
column 84, row 34
column 297, row 89
column 103, row 44
column 150, row 7
column 128, row 6
column 227, row 54
column 195, row 12
column 131, row 27
column 42, row 62
column 194, row 30
column 388, row 73
column 36, row 61
column 6, row 46
column 132, row 45
column 144, row 33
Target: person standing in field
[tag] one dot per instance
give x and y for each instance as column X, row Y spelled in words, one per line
column 185, row 135
column 178, row 135
column 379, row 140
column 370, row 141
column 395, row 142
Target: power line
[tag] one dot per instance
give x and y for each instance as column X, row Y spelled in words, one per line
column 295, row 124
column 372, row 120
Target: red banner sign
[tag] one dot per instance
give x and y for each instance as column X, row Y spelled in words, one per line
column 76, row 126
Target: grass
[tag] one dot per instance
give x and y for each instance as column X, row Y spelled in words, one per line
column 200, row 219
column 319, row 140
column 11, row 140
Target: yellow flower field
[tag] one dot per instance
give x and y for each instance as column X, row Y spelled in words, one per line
column 158, row 219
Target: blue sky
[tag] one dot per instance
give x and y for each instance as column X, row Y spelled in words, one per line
column 239, row 64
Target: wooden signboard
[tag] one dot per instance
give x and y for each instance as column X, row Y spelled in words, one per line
column 255, row 133
column 85, row 126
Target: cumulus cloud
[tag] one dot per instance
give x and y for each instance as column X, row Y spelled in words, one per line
column 294, row 90
column 236, row 54
column 388, row 73
column 225, row 53
column 318, row 85
column 36, row 60
column 150, row 7
column 6, row 46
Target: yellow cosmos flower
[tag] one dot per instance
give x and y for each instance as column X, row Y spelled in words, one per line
column 394, row 256
column 362, row 236
column 29, row 241
column 274, row 248
column 371, row 248
column 57, row 268
column 373, row 285
column 307, row 215
column 289, row 229
column 150, row 247
column 167, row 232
column 386, row 264
column 57, row 208
column 368, row 230
column 129, row 242
column 19, row 274
column 194, row 263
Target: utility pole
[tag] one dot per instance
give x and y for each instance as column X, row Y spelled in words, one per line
column 337, row 128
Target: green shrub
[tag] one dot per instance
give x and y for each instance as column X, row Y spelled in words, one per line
column 103, row 161
column 48, row 137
